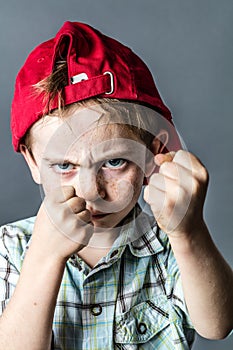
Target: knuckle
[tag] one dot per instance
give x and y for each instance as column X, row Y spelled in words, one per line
column 153, row 179
column 204, row 174
column 83, row 217
column 166, row 166
column 195, row 185
column 77, row 205
column 180, row 154
column 67, row 191
column 170, row 169
column 201, row 177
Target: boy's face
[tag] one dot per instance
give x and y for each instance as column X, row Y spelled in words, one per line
column 105, row 163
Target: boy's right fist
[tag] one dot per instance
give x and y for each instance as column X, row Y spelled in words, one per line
column 62, row 226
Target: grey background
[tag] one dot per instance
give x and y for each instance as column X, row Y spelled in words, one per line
column 188, row 46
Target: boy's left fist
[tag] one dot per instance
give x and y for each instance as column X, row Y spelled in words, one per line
column 177, row 193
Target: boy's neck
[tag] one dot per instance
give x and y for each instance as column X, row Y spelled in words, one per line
column 99, row 245
column 102, row 241
column 104, row 238
column 92, row 255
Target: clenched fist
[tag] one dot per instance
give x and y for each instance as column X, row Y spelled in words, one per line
column 62, row 226
column 177, row 193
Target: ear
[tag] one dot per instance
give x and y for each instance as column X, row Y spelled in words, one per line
column 159, row 142
column 31, row 163
column 157, row 146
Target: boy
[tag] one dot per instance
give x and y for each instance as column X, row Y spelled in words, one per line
column 96, row 271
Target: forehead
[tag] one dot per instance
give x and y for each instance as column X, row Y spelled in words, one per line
column 84, row 128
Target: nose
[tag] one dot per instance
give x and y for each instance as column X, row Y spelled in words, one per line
column 89, row 185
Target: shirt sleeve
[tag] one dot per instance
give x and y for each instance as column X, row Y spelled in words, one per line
column 11, row 248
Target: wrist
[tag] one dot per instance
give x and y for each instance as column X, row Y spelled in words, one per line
column 189, row 240
column 41, row 256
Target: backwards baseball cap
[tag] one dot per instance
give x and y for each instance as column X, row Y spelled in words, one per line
column 98, row 66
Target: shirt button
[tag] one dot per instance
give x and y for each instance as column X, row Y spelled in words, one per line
column 114, row 253
column 96, row 310
column 142, row 328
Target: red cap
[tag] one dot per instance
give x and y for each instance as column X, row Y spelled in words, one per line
column 97, row 66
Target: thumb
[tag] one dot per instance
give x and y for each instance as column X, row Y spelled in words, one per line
column 160, row 158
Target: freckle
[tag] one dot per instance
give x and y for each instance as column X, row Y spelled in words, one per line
column 113, row 186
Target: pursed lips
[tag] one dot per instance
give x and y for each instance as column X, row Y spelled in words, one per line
column 98, row 214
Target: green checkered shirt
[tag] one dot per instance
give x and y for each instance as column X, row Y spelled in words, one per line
column 132, row 299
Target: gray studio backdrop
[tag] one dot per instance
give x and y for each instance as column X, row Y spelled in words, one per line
column 188, row 45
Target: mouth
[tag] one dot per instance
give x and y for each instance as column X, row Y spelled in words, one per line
column 98, row 215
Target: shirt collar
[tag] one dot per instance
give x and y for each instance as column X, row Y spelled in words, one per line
column 28, row 232
column 140, row 233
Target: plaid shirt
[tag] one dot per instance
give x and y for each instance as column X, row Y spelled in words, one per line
column 132, row 299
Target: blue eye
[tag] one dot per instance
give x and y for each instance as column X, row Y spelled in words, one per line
column 63, row 167
column 114, row 163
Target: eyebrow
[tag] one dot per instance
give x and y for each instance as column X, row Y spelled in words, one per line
column 111, row 154
column 123, row 152
column 59, row 160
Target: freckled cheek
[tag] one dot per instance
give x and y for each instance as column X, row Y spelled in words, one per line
column 111, row 188
column 137, row 182
column 109, row 185
column 123, row 186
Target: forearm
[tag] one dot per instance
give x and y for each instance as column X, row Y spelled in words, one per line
column 207, row 282
column 27, row 321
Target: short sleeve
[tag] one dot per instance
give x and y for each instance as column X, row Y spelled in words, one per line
column 13, row 243
column 8, row 279
column 8, row 273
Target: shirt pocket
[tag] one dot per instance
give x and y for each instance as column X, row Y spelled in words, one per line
column 142, row 322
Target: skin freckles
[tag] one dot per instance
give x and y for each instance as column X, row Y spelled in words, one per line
column 89, row 163
column 97, row 174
